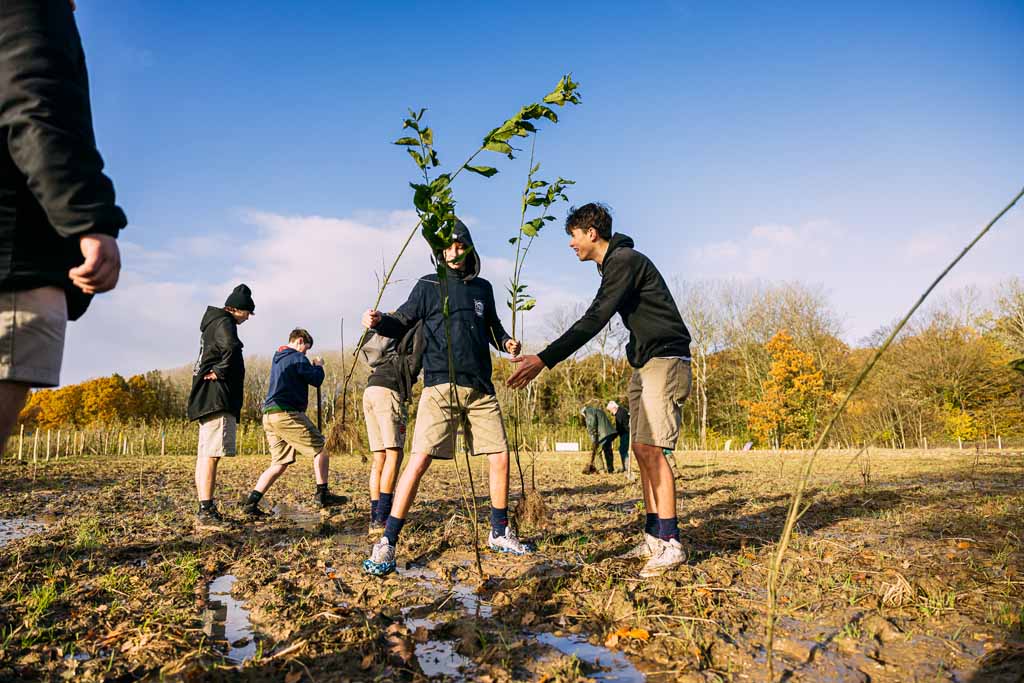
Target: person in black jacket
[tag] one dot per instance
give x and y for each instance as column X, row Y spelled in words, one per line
column 658, row 350
column 394, row 365
column 474, row 328
column 621, row 415
column 215, row 401
column 58, row 220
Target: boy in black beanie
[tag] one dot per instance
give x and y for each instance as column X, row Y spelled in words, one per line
column 218, row 379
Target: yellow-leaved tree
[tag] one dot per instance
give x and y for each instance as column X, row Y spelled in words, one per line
column 791, row 396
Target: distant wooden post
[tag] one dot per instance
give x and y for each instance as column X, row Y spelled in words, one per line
column 47, row 445
column 163, row 442
column 21, row 439
column 999, row 441
column 35, row 446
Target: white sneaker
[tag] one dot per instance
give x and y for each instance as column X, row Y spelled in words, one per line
column 668, row 555
column 509, row 543
column 643, row 549
column 382, row 558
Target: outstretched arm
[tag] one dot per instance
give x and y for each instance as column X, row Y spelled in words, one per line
column 616, row 285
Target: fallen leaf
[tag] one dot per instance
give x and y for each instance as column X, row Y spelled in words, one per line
column 367, row 662
column 963, row 545
column 293, row 677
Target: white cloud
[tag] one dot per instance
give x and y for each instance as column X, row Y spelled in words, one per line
column 303, row 270
column 871, row 280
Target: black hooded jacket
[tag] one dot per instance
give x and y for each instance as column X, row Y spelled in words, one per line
column 220, row 352
column 632, row 287
column 474, row 322
column 52, row 186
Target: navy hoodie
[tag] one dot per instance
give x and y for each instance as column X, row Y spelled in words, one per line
column 291, row 375
column 474, row 323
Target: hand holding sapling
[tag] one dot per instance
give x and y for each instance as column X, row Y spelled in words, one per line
column 514, row 346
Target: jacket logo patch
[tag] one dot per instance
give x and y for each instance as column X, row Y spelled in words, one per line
column 478, row 308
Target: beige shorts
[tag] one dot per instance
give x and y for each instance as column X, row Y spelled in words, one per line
column 289, row 435
column 386, row 416
column 657, row 392
column 32, row 324
column 217, row 435
column 433, row 435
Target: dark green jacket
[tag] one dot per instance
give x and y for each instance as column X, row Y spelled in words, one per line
column 598, row 425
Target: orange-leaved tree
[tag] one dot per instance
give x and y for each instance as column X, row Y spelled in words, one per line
column 790, row 398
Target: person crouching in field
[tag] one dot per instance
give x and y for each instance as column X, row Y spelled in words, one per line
column 289, row 431
column 621, row 416
column 658, row 350
column 394, row 366
column 218, row 380
column 474, row 324
column 601, row 435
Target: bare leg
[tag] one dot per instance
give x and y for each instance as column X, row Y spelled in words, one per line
column 375, row 471
column 498, row 479
column 658, row 483
column 391, row 461
column 408, row 484
column 206, row 477
column 321, row 463
column 12, row 398
column 269, row 476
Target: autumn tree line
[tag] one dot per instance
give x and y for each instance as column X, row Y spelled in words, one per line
column 769, row 366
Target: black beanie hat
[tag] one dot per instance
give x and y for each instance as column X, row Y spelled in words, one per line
column 241, row 298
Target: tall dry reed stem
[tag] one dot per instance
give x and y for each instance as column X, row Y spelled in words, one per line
column 795, row 512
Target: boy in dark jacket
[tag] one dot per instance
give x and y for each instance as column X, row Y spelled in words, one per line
column 621, row 416
column 474, row 326
column 215, row 401
column 658, row 350
column 394, row 366
column 601, row 436
column 58, row 218
column 289, row 431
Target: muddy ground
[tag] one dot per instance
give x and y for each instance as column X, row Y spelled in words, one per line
column 908, row 567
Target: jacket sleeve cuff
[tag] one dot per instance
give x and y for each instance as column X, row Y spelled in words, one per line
column 549, row 358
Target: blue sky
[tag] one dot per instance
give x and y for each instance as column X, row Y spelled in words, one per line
column 851, row 145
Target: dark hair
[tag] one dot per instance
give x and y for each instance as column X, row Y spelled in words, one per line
column 593, row 215
column 299, row 333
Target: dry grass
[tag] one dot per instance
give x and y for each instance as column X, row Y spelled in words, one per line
column 912, row 573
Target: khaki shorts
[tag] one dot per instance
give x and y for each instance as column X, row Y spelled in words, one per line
column 217, row 435
column 291, row 434
column 657, row 392
column 32, row 324
column 433, row 434
column 386, row 416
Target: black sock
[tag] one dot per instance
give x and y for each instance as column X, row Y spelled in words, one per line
column 321, row 489
column 207, row 505
column 392, row 528
column 254, row 497
column 668, row 529
column 384, row 506
column 651, row 525
column 499, row 520
column 373, row 509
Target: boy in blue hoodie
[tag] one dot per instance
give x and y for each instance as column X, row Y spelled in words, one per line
column 289, row 431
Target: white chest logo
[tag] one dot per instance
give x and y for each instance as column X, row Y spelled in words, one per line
column 478, row 308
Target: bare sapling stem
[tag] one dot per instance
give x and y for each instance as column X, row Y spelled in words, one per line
column 795, row 511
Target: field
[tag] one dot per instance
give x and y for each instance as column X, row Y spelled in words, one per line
column 908, row 567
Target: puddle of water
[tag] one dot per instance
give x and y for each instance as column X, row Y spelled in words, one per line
column 307, row 520
column 613, row 666
column 13, row 528
column 226, row 619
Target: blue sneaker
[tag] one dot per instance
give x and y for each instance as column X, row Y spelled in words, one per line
column 509, row 543
column 382, row 558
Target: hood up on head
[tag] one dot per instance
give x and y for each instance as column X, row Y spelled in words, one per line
column 461, row 234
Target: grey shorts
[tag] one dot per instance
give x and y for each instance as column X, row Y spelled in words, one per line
column 32, row 325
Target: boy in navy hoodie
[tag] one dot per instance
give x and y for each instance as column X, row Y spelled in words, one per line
column 475, row 327
column 289, row 431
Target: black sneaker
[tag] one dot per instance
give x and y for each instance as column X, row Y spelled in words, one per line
column 209, row 519
column 328, row 499
column 254, row 511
